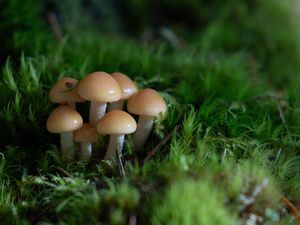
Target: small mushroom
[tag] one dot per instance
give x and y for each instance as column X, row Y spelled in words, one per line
column 117, row 123
column 64, row 120
column 128, row 88
column 86, row 135
column 148, row 104
column 65, row 91
column 99, row 88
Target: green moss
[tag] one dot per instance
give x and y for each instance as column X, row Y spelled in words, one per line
column 122, row 196
column 191, row 202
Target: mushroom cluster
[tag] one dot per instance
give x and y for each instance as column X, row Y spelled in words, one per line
column 101, row 89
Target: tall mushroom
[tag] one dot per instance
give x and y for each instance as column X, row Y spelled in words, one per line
column 64, row 120
column 99, row 88
column 148, row 104
column 86, row 135
column 128, row 88
column 117, row 123
column 65, row 91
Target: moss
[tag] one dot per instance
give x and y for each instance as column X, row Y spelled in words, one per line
column 191, row 202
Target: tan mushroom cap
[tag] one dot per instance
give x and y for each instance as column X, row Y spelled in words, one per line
column 99, row 87
column 128, row 87
column 65, row 90
column 86, row 133
column 116, row 122
column 63, row 119
column 147, row 102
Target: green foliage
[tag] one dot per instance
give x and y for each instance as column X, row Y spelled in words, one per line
column 122, row 196
column 247, row 25
column 21, row 27
column 25, row 104
column 252, row 188
column 191, row 202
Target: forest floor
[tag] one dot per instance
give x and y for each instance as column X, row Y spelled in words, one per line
column 226, row 152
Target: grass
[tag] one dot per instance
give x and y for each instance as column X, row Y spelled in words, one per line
column 232, row 156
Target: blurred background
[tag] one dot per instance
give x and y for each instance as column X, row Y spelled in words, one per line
column 266, row 30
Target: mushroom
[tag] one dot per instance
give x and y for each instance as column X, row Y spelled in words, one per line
column 148, row 104
column 99, row 88
column 65, row 91
column 64, row 120
column 86, row 134
column 128, row 88
column 117, row 123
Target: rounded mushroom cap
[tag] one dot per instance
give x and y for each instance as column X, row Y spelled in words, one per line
column 116, row 122
column 128, row 87
column 65, row 90
column 86, row 133
column 147, row 102
column 63, row 119
column 99, row 87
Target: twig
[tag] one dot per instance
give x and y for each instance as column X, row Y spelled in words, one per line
column 55, row 26
column 282, row 117
column 277, row 97
column 120, row 163
column 172, row 37
column 163, row 142
column 66, row 173
column 267, row 95
column 294, row 211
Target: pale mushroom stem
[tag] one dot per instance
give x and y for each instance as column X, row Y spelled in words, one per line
column 67, row 145
column 97, row 111
column 72, row 105
column 116, row 105
column 144, row 127
column 86, row 151
column 116, row 141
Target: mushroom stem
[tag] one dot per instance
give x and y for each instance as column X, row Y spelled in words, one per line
column 115, row 142
column 116, row 105
column 67, row 145
column 144, row 127
column 97, row 110
column 86, row 151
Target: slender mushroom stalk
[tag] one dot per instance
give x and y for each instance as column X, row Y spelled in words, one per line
column 118, row 105
column 64, row 120
column 128, row 88
column 97, row 111
column 116, row 141
column 85, row 135
column 86, row 151
column 144, row 127
column 99, row 88
column 117, row 123
column 65, row 91
column 67, row 144
column 148, row 104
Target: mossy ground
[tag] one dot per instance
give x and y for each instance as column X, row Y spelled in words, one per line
column 233, row 121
